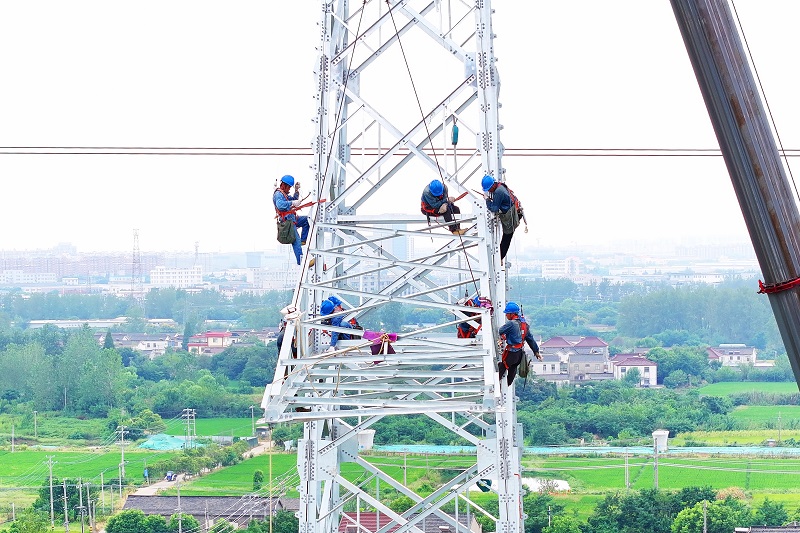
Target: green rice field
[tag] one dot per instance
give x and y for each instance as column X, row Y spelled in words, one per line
column 727, row 388
column 208, row 427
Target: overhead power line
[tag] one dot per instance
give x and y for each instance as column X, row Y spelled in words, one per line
column 286, row 151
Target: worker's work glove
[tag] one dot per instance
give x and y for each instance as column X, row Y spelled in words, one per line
column 330, row 349
column 296, row 185
column 537, row 355
column 451, row 199
column 295, row 203
column 443, row 209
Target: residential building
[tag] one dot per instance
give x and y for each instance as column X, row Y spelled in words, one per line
column 151, row 345
column 550, row 368
column 621, row 364
column 179, row 278
column 572, row 359
column 736, row 355
column 563, row 268
column 210, row 342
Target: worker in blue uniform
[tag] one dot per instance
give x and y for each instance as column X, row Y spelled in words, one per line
column 515, row 332
column 501, row 200
column 436, row 203
column 326, row 308
column 285, row 207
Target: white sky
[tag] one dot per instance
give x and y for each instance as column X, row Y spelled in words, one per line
column 575, row 74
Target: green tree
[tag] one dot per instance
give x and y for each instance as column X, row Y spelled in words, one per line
column 108, row 343
column 563, row 524
column 155, row 523
column 185, row 522
column 30, row 521
column 222, row 526
column 721, row 516
column 282, row 522
column 127, row 521
column 401, row 504
column 770, row 513
column 632, row 377
column 258, row 480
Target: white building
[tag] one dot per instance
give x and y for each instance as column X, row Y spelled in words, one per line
column 179, row 278
column 564, row 268
column 20, row 277
column 621, row 364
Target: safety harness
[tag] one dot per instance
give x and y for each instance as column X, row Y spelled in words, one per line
column 514, row 200
column 523, row 330
column 283, row 214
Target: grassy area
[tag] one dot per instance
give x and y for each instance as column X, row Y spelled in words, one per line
column 728, row 388
column 766, row 416
column 732, row 438
column 208, row 427
column 23, row 472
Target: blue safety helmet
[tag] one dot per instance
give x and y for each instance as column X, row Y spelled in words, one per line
column 436, row 187
column 288, row 180
column 336, row 301
column 487, row 182
column 511, row 308
column 326, row 308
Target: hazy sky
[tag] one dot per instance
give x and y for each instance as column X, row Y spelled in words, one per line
column 575, row 74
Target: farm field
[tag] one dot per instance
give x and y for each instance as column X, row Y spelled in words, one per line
column 754, row 437
column 24, row 471
column 733, row 387
column 208, row 427
column 767, row 415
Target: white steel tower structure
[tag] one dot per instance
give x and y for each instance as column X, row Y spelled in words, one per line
column 392, row 78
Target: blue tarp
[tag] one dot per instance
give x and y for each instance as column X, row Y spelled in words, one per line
column 165, row 442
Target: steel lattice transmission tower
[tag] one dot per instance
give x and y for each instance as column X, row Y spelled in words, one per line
column 392, row 77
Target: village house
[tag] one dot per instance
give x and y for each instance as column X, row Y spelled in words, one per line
column 737, row 355
column 623, row 363
column 151, row 345
column 573, row 359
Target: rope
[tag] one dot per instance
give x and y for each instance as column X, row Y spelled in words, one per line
column 427, row 130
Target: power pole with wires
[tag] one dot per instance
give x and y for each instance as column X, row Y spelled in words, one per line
column 50, row 464
column 191, row 431
column 121, row 430
column 66, row 509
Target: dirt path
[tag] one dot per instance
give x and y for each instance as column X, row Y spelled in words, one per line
column 154, row 488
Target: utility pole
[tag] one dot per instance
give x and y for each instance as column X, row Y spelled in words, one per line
column 12, row 438
column 89, row 507
column 655, row 463
column 191, row 432
column 81, row 508
column 103, row 491
column 705, row 517
column 627, row 472
column 779, row 426
column 121, row 430
column 66, row 516
column 253, row 419
column 35, row 426
column 180, row 515
column 50, row 464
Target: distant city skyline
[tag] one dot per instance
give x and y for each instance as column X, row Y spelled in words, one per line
column 589, row 76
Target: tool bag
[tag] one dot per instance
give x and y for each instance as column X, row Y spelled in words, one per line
column 287, row 233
